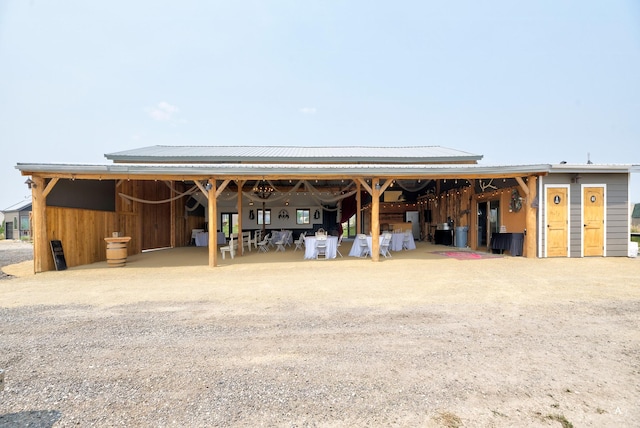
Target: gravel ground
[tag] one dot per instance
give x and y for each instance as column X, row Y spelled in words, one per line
column 256, row 342
column 12, row 252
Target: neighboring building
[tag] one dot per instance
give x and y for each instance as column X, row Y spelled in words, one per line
column 157, row 195
column 635, row 216
column 18, row 220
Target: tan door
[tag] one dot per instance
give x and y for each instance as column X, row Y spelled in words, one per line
column 593, row 236
column 557, row 221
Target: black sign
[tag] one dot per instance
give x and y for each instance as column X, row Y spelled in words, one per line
column 58, row 255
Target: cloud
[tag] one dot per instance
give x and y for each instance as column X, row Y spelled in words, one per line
column 163, row 112
column 308, row 110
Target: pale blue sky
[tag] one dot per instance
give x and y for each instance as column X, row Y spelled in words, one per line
column 518, row 82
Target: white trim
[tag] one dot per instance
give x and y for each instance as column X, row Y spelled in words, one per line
column 546, row 216
column 582, row 187
column 541, row 205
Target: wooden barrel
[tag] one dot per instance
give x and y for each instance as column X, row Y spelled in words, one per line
column 116, row 253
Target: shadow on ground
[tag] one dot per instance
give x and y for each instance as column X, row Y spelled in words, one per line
column 34, row 419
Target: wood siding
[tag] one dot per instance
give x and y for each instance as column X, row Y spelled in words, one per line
column 617, row 211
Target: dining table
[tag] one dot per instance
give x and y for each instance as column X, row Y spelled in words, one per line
column 202, row 239
column 397, row 241
column 310, row 247
column 357, row 249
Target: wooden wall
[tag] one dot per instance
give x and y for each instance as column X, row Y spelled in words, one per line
column 81, row 232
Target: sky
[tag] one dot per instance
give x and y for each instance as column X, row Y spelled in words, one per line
column 531, row 82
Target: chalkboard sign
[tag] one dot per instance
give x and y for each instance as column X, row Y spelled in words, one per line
column 58, row 255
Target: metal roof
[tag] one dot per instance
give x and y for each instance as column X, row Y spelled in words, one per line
column 306, row 169
column 287, row 154
column 22, row 205
column 283, row 170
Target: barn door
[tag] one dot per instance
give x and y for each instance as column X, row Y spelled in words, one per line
column 557, row 222
column 156, row 218
column 593, row 216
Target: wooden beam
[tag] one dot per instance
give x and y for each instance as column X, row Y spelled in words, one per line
column 222, row 187
column 213, row 224
column 202, row 189
column 49, row 187
column 530, row 240
column 375, row 220
column 240, row 184
column 172, row 209
column 41, row 251
column 385, row 186
column 358, row 208
column 523, row 185
column 364, row 184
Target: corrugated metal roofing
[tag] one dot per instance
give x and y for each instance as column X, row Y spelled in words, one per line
column 283, row 170
column 285, row 154
column 361, row 170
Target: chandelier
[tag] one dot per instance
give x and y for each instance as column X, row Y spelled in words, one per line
column 263, row 190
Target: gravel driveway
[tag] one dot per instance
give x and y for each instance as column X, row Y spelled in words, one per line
column 12, row 252
column 263, row 340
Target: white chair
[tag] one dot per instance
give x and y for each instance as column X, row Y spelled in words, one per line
column 288, row 241
column 384, row 245
column 194, row 232
column 257, row 237
column 321, row 246
column 338, row 245
column 280, row 243
column 246, row 241
column 364, row 246
column 299, row 242
column 263, row 245
column 406, row 239
column 230, row 248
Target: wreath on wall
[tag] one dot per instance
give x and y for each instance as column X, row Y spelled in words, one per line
column 283, row 214
column 316, row 215
column 515, row 204
column 251, row 215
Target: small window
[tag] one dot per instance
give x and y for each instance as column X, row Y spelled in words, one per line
column 266, row 219
column 303, row 216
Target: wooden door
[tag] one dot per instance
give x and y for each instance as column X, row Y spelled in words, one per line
column 557, row 222
column 156, row 217
column 593, row 214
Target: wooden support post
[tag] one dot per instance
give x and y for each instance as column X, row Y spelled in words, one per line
column 531, row 239
column 375, row 219
column 240, row 183
column 358, row 209
column 41, row 250
column 172, row 227
column 212, row 207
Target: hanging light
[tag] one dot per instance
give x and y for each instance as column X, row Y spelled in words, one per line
column 263, row 190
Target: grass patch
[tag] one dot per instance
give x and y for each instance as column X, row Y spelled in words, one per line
column 449, row 420
column 559, row 418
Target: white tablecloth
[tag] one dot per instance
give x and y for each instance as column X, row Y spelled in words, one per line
column 310, row 247
column 202, row 239
column 356, row 249
column 398, row 238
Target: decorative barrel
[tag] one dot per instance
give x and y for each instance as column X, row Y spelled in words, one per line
column 117, row 251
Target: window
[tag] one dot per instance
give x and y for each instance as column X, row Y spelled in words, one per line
column 303, row 216
column 349, row 227
column 267, row 217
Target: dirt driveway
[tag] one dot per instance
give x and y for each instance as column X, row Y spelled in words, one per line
column 420, row 339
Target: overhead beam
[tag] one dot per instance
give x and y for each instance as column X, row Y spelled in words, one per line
column 523, row 185
column 49, row 187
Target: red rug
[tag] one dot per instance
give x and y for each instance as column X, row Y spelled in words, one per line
column 466, row 255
